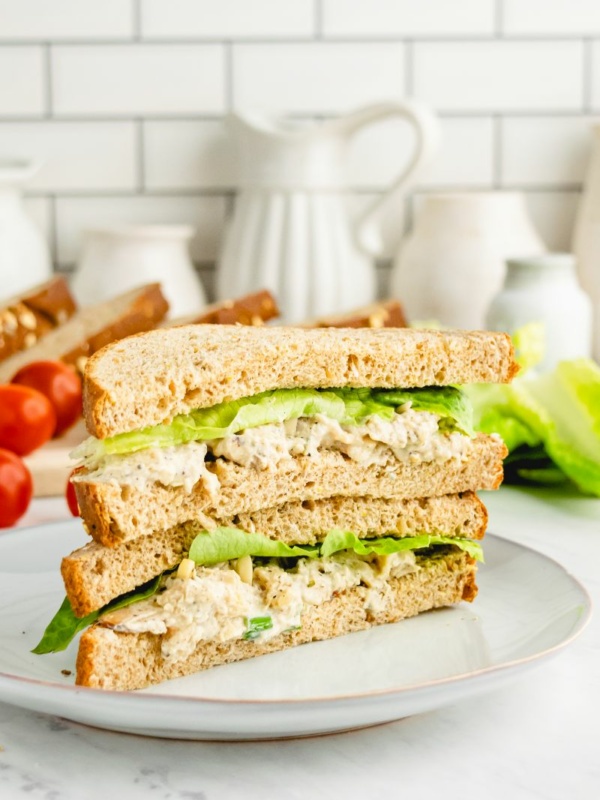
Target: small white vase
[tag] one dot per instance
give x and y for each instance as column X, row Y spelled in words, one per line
column 545, row 290
column 117, row 258
column 452, row 264
column 24, row 255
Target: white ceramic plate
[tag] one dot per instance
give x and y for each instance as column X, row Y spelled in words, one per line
column 528, row 608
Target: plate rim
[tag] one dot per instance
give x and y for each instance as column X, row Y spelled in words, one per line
column 586, row 609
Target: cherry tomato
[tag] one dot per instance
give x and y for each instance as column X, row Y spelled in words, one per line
column 61, row 385
column 71, row 498
column 27, row 419
column 16, row 488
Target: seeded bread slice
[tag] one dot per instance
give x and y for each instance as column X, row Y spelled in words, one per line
column 384, row 314
column 94, row 575
column 148, row 379
column 92, row 328
column 125, row 661
column 251, row 309
column 28, row 317
column 115, row 514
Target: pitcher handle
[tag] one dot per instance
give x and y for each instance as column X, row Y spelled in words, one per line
column 369, row 227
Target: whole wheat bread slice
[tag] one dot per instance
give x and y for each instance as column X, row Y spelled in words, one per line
column 92, row 328
column 125, row 661
column 94, row 575
column 28, row 317
column 114, row 514
column 152, row 377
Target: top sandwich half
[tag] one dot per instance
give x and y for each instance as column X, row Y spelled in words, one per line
column 149, row 379
column 206, row 422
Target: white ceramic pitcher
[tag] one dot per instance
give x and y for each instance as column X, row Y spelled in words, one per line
column 290, row 231
column 24, row 254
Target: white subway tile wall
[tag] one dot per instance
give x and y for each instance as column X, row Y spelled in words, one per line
column 123, row 101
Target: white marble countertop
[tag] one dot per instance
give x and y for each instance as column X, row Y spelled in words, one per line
column 538, row 738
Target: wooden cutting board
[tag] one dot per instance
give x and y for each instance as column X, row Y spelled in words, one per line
column 50, row 465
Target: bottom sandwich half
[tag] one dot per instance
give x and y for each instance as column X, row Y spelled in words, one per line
column 205, row 617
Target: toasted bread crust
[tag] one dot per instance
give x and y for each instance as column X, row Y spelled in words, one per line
column 384, row 314
column 95, row 574
column 152, row 377
column 124, row 661
column 94, row 327
column 114, row 514
column 28, row 317
column 251, row 309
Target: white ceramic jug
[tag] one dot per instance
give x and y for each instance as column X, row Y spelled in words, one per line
column 453, row 263
column 290, row 231
column 121, row 257
column 586, row 238
column 24, row 255
column 544, row 289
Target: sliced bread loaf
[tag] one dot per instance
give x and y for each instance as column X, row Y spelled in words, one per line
column 252, row 309
column 28, row 317
column 92, row 328
column 385, row 314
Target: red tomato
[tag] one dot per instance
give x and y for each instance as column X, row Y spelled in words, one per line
column 71, row 498
column 27, row 419
column 16, row 488
column 61, row 385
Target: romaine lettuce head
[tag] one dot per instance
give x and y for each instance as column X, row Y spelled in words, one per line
column 558, row 410
column 347, row 406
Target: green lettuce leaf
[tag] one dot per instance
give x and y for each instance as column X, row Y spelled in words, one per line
column 450, row 403
column 347, row 406
column 558, row 410
column 64, row 626
column 335, row 541
column 530, row 345
column 226, row 544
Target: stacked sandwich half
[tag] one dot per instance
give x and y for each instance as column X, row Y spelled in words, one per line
column 248, row 490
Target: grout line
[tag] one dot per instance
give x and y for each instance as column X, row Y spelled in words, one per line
column 409, row 66
column 136, row 11
column 49, row 99
column 214, row 116
column 319, row 16
column 301, row 39
column 99, row 194
column 588, row 74
column 228, row 68
column 499, row 19
column 140, row 165
column 53, row 232
column 227, row 194
column 497, row 150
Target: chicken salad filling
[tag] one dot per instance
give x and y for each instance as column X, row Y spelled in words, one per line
column 235, row 584
column 253, row 601
column 409, row 436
